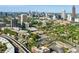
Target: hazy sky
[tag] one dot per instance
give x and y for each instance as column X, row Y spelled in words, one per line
column 41, row 8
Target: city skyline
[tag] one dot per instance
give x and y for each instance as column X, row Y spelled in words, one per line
column 38, row 8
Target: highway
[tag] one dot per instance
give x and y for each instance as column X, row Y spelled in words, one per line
column 16, row 44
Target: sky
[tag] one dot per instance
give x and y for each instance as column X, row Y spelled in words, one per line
column 39, row 8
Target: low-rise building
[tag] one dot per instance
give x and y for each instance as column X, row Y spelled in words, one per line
column 2, row 24
column 40, row 50
column 32, row 29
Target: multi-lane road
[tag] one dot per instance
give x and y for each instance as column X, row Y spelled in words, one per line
column 16, row 44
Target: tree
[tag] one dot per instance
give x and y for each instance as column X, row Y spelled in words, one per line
column 9, row 31
column 32, row 40
column 3, row 47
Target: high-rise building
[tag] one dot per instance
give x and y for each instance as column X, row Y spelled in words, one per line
column 21, row 19
column 69, row 17
column 58, row 16
column 54, row 17
column 14, row 22
column 73, row 13
column 63, row 15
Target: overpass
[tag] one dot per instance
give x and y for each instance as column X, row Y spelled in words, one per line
column 19, row 48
